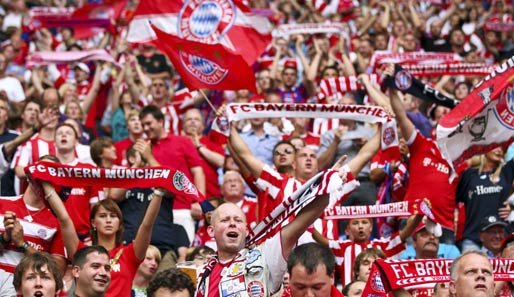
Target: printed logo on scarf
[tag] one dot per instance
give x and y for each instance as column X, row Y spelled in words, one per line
column 403, row 80
column 505, row 108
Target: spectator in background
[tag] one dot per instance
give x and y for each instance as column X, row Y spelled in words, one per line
column 492, row 233
column 171, row 282
column 135, row 130
column 212, row 154
column 153, row 63
column 36, row 275
column 146, row 271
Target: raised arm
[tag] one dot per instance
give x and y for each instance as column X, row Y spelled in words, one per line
column 365, row 154
column 404, row 122
column 244, row 153
column 69, row 234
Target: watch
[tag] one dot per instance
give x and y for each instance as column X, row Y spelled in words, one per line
column 24, row 247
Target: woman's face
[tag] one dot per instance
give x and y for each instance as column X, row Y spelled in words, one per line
column 73, row 111
column 106, row 222
column 149, row 265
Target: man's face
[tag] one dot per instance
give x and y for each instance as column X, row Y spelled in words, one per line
column 134, row 125
column 283, row 156
column 289, row 76
column 315, row 284
column 264, row 80
column 359, row 230
column 30, row 113
column 65, row 139
column 365, row 268
column 152, row 127
column 80, row 75
column 95, row 275
column 306, row 163
column 425, row 244
column 37, row 284
column 232, row 188
column 158, row 89
column 475, row 277
column 492, row 238
column 193, row 123
column 228, row 227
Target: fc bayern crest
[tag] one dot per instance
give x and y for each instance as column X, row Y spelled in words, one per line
column 206, row 21
column 376, row 282
column 182, row 183
column 388, row 136
column 504, row 110
column 403, row 80
column 204, row 70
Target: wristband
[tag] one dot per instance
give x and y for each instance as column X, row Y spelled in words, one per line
column 49, row 195
column 158, row 192
column 3, row 241
column 24, row 247
column 198, row 147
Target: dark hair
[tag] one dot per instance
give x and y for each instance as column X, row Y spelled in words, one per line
column 310, row 255
column 153, row 110
column 111, row 206
column 373, row 252
column 284, row 142
column 199, row 250
column 346, row 289
column 49, row 158
column 172, row 279
column 72, row 128
column 30, row 100
column 37, row 261
column 97, row 146
column 80, row 256
column 333, row 67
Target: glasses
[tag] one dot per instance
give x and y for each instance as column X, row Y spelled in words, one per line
column 287, row 151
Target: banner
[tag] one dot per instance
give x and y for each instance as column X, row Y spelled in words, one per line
column 228, row 22
column 307, row 28
column 44, row 58
column 362, row 113
column 208, row 66
column 389, row 275
column 483, row 120
column 149, row 177
column 396, row 209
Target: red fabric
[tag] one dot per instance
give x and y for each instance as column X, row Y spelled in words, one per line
column 212, row 188
column 123, row 271
column 427, row 160
column 247, row 34
column 179, row 152
column 121, row 151
column 311, row 140
column 108, row 9
column 202, row 237
column 206, row 66
column 43, row 233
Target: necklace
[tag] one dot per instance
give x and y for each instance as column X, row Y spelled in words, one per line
column 30, row 217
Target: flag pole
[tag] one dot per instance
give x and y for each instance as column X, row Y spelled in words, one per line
column 208, row 101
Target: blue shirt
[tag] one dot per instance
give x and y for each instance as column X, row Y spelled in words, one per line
column 261, row 147
column 445, row 251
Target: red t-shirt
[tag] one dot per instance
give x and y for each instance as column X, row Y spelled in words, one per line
column 178, row 152
column 121, row 151
column 212, row 187
column 426, row 161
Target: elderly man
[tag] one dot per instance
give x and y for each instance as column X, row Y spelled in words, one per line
column 233, row 190
column 471, row 274
column 492, row 233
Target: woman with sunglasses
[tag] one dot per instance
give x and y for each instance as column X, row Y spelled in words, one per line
column 107, row 231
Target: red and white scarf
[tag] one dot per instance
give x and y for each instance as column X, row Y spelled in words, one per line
column 396, row 209
column 45, row 58
column 389, row 275
column 387, row 57
column 307, row 28
column 63, row 175
column 449, row 69
column 332, row 86
column 362, row 113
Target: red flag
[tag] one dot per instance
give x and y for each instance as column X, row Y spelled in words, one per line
column 228, row 22
column 483, row 120
column 109, row 9
column 209, row 66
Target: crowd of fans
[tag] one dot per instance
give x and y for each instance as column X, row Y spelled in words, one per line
column 137, row 112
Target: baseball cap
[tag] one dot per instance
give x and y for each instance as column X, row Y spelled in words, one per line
column 82, row 66
column 490, row 221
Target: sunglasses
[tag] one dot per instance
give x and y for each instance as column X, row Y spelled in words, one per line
column 287, row 151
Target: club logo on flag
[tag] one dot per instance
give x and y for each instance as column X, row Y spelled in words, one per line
column 504, row 110
column 403, row 80
column 204, row 70
column 206, row 21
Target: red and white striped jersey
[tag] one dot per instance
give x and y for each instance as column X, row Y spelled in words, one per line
column 346, row 251
column 40, row 229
